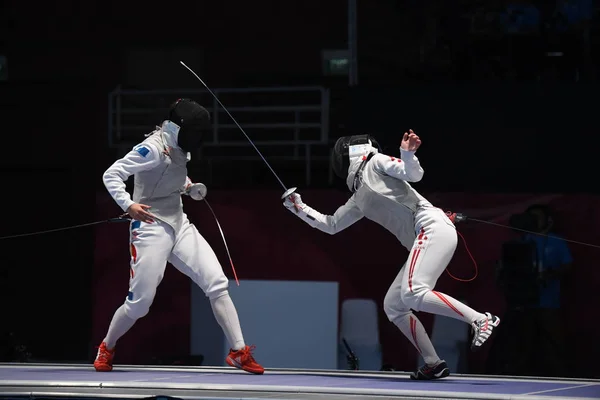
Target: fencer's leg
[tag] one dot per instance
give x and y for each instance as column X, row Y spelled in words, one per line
column 193, row 256
column 430, row 255
column 227, row 317
column 119, row 326
column 150, row 245
column 410, row 326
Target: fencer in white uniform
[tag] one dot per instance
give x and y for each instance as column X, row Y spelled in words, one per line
column 382, row 193
column 160, row 231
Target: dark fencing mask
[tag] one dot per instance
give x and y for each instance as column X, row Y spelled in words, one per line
column 193, row 120
column 347, row 148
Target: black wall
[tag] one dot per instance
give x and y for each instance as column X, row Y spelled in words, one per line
column 509, row 137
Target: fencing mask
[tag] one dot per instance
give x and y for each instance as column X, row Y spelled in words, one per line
column 192, row 119
column 348, row 148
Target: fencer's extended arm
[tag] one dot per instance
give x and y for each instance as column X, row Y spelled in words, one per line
column 343, row 217
column 407, row 167
column 142, row 158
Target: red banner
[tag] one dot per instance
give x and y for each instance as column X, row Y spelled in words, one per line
column 268, row 242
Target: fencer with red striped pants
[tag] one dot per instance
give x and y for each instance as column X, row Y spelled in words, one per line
column 381, row 193
column 414, row 285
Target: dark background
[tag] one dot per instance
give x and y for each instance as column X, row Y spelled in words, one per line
column 495, row 113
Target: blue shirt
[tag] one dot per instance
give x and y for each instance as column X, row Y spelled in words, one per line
column 552, row 253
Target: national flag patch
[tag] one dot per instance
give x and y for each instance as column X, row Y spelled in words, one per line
column 143, row 150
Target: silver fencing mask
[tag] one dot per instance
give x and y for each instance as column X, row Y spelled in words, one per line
column 348, row 148
column 193, row 120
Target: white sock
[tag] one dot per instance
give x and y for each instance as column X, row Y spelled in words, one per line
column 414, row 331
column 119, row 325
column 442, row 304
column 227, row 317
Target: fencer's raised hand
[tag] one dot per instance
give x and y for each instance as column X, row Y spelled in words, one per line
column 293, row 202
column 197, row 191
column 410, row 141
column 138, row 212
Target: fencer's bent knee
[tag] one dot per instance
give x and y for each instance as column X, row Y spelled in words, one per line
column 219, row 287
column 389, row 304
column 137, row 309
column 215, row 295
column 393, row 306
column 413, row 298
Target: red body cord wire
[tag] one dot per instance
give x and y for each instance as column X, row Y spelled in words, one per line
column 472, row 258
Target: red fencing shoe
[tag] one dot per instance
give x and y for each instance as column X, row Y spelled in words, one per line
column 104, row 359
column 243, row 359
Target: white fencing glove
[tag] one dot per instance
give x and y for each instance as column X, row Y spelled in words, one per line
column 308, row 214
column 294, row 203
column 197, row 191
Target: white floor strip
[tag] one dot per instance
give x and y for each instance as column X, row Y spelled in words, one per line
column 567, row 388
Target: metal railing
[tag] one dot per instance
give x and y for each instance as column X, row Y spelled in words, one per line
column 288, row 120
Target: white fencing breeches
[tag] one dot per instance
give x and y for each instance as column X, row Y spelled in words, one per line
column 152, row 245
column 413, row 287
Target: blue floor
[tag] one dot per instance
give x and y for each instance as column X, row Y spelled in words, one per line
column 361, row 382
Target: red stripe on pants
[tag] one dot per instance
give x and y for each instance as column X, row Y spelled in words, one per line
column 445, row 300
column 413, row 331
column 411, row 268
column 133, row 252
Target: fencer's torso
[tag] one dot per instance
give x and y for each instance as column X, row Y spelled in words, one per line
column 160, row 187
column 388, row 201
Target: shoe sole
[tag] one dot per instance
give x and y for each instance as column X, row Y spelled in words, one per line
column 476, row 348
column 445, row 373
column 103, row 368
column 232, row 364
